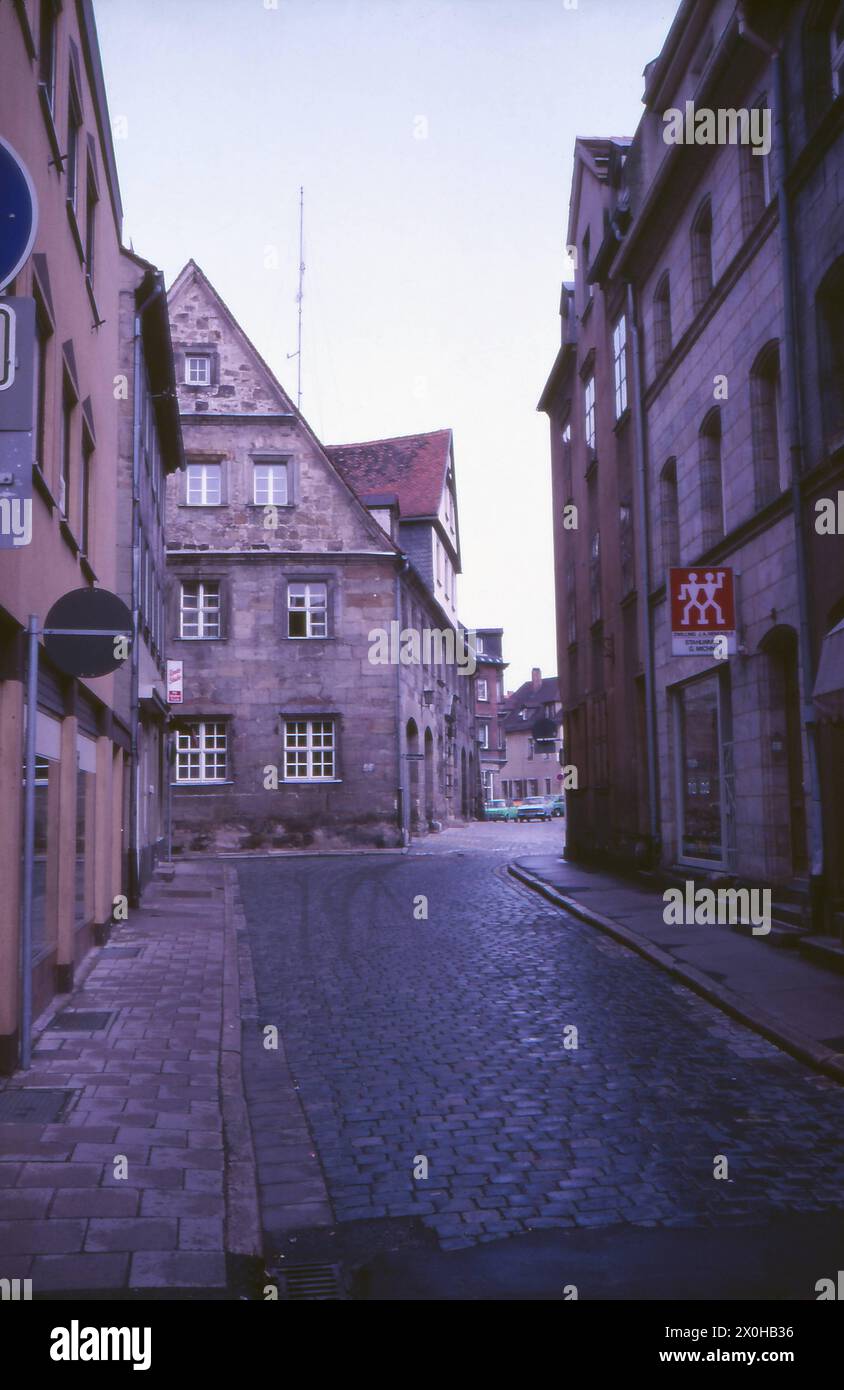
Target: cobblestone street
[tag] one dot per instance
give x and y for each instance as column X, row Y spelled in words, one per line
column 446, row 1039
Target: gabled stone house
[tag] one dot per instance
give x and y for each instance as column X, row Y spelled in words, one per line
column 306, row 719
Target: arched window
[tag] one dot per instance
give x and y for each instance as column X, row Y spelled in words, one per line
column 711, row 481
column 769, row 461
column 662, row 322
column 669, row 515
column 756, row 189
column 702, row 255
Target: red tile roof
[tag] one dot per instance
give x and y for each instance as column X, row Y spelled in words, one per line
column 413, row 466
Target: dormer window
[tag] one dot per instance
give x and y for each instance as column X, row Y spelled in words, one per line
column 197, row 369
column 449, row 508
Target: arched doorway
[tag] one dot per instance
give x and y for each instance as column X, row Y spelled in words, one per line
column 785, row 745
column 429, row 778
column 413, row 758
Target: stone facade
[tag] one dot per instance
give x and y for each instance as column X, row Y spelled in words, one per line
column 294, row 732
column 685, row 256
column 149, row 450
column 490, row 709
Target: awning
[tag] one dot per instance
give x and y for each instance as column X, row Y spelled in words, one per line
column 828, row 693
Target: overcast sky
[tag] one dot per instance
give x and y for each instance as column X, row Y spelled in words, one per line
column 434, row 141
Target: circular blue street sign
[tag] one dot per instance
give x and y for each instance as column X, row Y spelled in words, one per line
column 18, row 213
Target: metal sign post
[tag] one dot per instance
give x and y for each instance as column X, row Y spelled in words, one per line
column 92, row 656
column 29, row 843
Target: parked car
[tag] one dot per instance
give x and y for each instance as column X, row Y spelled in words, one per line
column 558, row 805
column 499, row 810
column 534, row 808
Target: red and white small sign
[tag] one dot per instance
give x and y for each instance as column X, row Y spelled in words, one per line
column 175, row 683
column 703, row 611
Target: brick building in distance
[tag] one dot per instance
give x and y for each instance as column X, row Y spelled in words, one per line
column 490, row 708
column 696, row 421
column 533, row 730
column 296, row 573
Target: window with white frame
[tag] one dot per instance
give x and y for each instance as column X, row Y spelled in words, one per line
column 482, row 690
column 204, row 485
column 307, row 610
column 619, row 364
column 197, row 369
column 479, row 645
column 309, row 750
column 269, row 485
column 199, row 610
column 483, row 735
column 836, row 48
column 589, row 411
column 201, row 752
column 449, row 508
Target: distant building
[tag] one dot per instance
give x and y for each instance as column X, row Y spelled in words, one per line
column 490, row 708
column 327, row 682
column 533, row 730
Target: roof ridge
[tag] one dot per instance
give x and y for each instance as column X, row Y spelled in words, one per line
column 391, row 439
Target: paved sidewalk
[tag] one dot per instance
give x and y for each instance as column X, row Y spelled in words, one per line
column 789, row 1000
column 146, row 1180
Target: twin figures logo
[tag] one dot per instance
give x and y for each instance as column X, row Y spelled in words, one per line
column 703, row 612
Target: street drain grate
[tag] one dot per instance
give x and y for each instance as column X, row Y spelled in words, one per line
column 81, row 1021
column 313, row 1282
column 33, row 1105
column 121, row 952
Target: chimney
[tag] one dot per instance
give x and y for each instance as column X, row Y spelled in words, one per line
column 536, row 678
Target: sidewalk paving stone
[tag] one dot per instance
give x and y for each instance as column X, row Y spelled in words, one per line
column 149, row 1089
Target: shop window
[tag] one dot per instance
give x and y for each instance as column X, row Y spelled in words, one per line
column 700, row 772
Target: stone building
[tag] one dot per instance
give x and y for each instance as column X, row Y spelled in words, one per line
column 53, row 112
column 490, row 708
column 327, row 683
column 533, row 729
column 150, row 449
column 692, row 424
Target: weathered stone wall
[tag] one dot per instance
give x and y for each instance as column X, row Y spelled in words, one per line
column 254, row 675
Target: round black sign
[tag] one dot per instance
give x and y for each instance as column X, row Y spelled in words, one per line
column 72, row 631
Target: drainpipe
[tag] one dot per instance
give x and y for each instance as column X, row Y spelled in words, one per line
column 404, row 566
column 793, row 434
column 643, row 567
column 134, row 697
column 791, row 373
